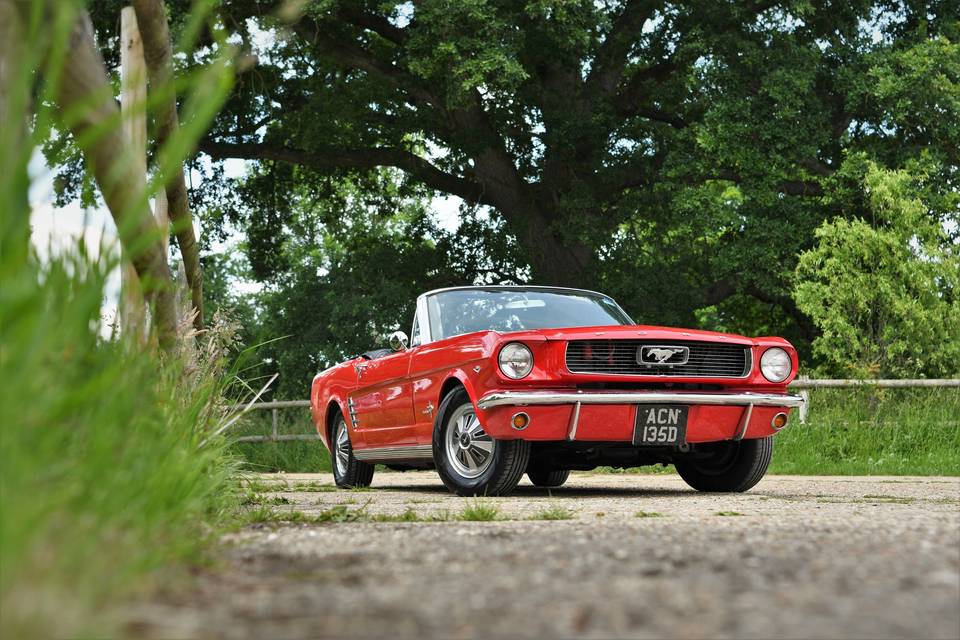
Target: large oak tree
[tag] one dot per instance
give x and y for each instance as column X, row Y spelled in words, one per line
column 677, row 154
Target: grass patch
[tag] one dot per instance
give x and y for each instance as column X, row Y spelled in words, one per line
column 408, row 515
column 650, row 469
column 555, row 512
column 252, row 498
column 255, row 485
column 343, row 513
column 647, row 514
column 313, row 487
column 873, row 432
column 888, row 499
column 336, row 514
column 729, row 513
column 294, row 456
column 106, row 491
column 479, row 511
column 848, row 432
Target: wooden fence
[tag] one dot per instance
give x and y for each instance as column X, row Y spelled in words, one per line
column 804, row 385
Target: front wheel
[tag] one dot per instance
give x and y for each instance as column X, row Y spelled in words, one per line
column 470, row 462
column 733, row 466
column 348, row 472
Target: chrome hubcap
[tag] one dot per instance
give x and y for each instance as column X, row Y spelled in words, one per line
column 469, row 449
column 341, row 448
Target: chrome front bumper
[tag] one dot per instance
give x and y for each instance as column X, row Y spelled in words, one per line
column 746, row 399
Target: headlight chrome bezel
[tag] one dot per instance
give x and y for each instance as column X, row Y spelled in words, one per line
column 509, row 356
column 784, row 363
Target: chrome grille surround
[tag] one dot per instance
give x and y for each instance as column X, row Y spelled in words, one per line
column 620, row 357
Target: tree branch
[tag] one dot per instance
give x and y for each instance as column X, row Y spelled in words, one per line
column 85, row 100
column 155, row 33
column 372, row 22
column 370, row 158
column 613, row 55
column 351, row 56
column 787, row 187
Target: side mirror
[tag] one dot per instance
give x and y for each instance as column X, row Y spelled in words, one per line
column 398, row 341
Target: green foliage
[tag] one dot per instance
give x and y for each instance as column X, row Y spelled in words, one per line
column 873, row 432
column 554, row 512
column 478, row 510
column 111, row 477
column 886, row 297
column 292, row 457
column 680, row 156
column 346, row 273
column 103, row 480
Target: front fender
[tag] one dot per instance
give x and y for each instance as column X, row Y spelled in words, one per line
column 467, row 382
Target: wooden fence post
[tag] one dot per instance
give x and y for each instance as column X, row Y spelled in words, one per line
column 133, row 102
column 133, row 106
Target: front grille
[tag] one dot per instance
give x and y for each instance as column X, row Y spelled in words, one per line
column 622, row 357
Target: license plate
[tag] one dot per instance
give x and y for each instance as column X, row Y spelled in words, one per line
column 660, row 424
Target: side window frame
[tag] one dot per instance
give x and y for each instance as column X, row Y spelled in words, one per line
column 421, row 326
column 416, row 338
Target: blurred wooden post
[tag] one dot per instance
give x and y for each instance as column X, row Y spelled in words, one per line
column 163, row 219
column 274, row 416
column 133, row 103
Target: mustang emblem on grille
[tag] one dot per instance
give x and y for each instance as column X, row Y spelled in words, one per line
column 662, row 355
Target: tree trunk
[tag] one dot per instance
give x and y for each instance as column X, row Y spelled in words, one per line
column 558, row 263
column 85, row 98
column 554, row 260
column 155, row 33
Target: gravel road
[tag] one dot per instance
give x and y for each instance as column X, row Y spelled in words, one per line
column 796, row 557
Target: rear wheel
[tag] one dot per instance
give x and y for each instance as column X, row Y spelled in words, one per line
column 348, row 472
column 548, row 478
column 470, row 462
column 733, row 466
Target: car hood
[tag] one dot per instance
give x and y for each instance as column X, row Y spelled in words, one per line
column 642, row 332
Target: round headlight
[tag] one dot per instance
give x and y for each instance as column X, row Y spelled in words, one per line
column 516, row 360
column 775, row 364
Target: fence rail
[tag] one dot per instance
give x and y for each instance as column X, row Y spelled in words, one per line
column 808, row 383
column 802, row 384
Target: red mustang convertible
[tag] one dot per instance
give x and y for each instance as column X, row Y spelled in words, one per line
column 498, row 381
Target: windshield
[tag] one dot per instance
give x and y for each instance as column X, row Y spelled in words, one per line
column 467, row 310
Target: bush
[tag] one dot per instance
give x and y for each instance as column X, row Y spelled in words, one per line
column 886, row 296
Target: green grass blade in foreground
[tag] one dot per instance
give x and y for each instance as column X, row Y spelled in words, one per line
column 102, row 482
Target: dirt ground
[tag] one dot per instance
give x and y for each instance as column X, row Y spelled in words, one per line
column 642, row 556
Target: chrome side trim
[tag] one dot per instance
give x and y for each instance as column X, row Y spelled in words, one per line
column 352, row 410
column 413, row 452
column 744, row 422
column 574, row 423
column 509, row 398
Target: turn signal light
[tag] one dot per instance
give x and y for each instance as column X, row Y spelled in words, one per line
column 779, row 421
column 520, row 421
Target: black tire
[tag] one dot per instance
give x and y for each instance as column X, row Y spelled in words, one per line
column 508, row 459
column 734, row 466
column 548, row 478
column 348, row 472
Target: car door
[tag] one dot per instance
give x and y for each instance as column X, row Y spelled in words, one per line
column 383, row 401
